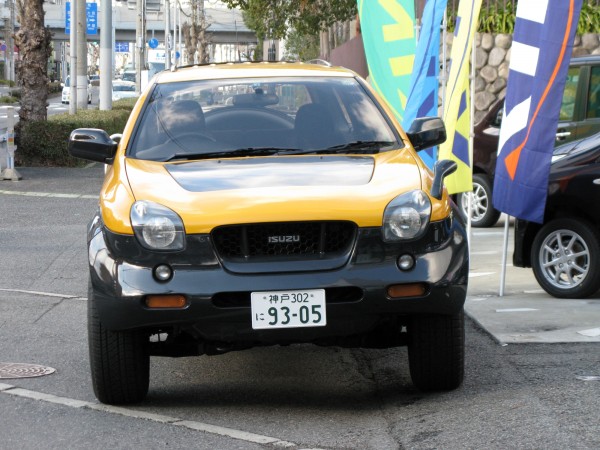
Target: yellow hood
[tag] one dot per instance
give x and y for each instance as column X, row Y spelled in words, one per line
column 209, row 193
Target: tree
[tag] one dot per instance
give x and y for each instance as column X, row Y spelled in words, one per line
column 195, row 35
column 276, row 18
column 301, row 47
column 33, row 41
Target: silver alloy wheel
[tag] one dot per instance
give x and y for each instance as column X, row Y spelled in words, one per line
column 564, row 258
column 479, row 203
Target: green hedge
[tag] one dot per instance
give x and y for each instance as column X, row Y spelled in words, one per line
column 54, row 87
column 8, row 99
column 44, row 143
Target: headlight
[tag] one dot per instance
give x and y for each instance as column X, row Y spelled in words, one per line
column 406, row 217
column 157, row 227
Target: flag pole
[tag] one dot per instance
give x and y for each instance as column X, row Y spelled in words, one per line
column 504, row 256
column 443, row 74
column 471, row 136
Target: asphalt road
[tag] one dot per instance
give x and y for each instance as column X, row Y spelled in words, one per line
column 526, row 396
column 54, row 106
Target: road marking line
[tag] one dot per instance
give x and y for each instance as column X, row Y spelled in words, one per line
column 593, row 332
column 46, row 397
column 487, row 233
column 132, row 413
column 516, row 310
column 45, row 294
column 47, row 194
column 486, row 252
column 159, row 418
column 480, row 274
column 236, row 434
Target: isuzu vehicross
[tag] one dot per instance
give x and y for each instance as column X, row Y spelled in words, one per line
column 256, row 204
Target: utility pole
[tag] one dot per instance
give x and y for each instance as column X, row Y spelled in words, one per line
column 140, row 38
column 73, row 58
column 107, row 46
column 167, row 35
column 179, row 47
column 81, row 29
column 11, row 42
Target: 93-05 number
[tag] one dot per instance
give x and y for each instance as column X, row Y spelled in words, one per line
column 305, row 315
column 288, row 309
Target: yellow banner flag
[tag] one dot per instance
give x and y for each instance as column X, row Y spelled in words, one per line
column 457, row 110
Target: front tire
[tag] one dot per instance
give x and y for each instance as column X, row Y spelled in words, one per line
column 436, row 351
column 119, row 361
column 483, row 213
column 565, row 258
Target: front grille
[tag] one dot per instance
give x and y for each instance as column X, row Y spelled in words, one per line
column 284, row 239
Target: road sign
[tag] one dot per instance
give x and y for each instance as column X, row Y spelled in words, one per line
column 153, row 43
column 91, row 10
column 121, row 47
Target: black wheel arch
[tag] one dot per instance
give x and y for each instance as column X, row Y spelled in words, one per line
column 522, row 256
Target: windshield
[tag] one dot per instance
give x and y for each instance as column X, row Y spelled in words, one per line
column 128, row 76
column 124, row 87
column 270, row 116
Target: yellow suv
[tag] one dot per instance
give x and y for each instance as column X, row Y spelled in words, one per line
column 255, row 204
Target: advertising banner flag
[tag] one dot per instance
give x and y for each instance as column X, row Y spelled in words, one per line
column 457, row 110
column 540, row 55
column 388, row 32
column 423, row 93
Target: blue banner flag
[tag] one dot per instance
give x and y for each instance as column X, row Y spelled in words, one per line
column 540, row 55
column 423, row 93
column 388, row 32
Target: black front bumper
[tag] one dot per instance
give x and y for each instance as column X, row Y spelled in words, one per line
column 218, row 300
column 524, row 235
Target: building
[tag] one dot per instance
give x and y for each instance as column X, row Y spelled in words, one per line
column 230, row 39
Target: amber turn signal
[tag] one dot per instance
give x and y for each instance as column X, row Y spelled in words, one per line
column 165, row 301
column 407, row 290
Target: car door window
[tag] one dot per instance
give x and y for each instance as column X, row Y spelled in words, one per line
column 567, row 107
column 593, row 106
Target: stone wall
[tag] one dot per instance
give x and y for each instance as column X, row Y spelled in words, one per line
column 492, row 57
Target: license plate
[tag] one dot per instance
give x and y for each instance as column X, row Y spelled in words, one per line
column 288, row 309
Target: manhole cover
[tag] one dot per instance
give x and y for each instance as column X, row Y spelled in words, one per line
column 19, row 370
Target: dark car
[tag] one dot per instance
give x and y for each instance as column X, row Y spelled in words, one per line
column 564, row 251
column 579, row 117
column 298, row 212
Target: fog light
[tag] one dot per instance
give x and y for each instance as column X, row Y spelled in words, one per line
column 406, row 262
column 407, row 290
column 163, row 272
column 166, row 301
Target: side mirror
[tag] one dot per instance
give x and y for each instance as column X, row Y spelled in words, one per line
column 426, row 132
column 441, row 170
column 498, row 119
column 92, row 144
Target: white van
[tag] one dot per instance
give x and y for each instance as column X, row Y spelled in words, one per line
column 66, row 90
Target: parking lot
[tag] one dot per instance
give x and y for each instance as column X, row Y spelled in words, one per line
column 521, row 394
column 525, row 313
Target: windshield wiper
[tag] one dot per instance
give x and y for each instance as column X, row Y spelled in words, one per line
column 374, row 146
column 250, row 151
column 367, row 147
